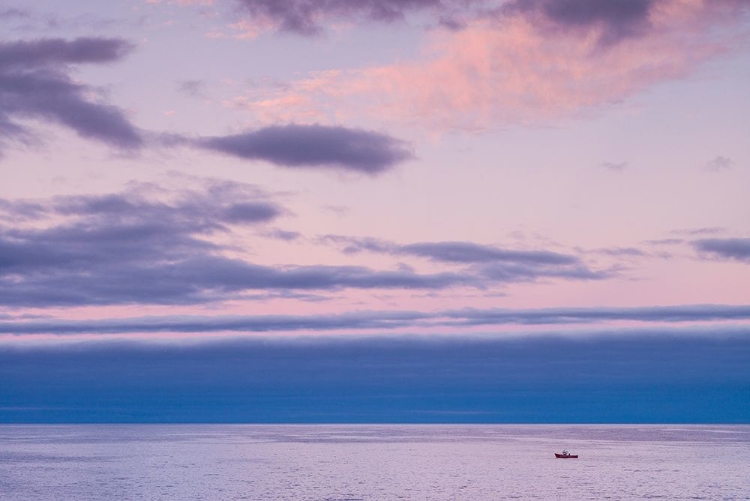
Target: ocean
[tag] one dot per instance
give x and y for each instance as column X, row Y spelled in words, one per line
column 373, row 462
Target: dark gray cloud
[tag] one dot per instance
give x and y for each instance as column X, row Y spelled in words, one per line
column 725, row 248
column 35, row 83
column 138, row 248
column 384, row 379
column 14, row 14
column 314, row 146
column 380, row 320
column 719, row 164
column 339, row 210
column 615, row 166
column 193, row 87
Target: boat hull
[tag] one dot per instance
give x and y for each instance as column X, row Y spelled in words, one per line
column 566, row 456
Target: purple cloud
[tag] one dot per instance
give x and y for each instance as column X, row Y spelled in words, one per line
column 132, row 248
column 35, row 83
column 13, row 14
column 303, row 16
column 450, row 252
column 250, row 212
column 138, row 247
column 617, row 19
column 35, row 53
column 492, row 263
column 314, row 146
column 737, row 249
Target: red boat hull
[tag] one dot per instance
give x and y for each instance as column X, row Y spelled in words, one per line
column 563, row 456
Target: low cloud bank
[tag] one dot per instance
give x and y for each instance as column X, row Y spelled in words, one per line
column 647, row 379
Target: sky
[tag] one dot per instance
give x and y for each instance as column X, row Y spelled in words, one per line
column 375, row 211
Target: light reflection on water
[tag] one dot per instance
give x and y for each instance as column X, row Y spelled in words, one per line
column 378, row 462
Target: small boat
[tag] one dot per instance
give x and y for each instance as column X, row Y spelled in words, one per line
column 565, row 455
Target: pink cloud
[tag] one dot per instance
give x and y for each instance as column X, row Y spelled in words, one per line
column 251, row 29
column 510, row 69
column 309, row 100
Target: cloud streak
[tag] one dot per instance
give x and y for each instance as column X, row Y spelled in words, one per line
column 494, row 263
column 314, row 146
column 383, row 321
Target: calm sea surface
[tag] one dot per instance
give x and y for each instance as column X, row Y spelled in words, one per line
column 332, row 462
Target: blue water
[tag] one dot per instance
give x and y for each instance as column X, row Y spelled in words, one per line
column 339, row 462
